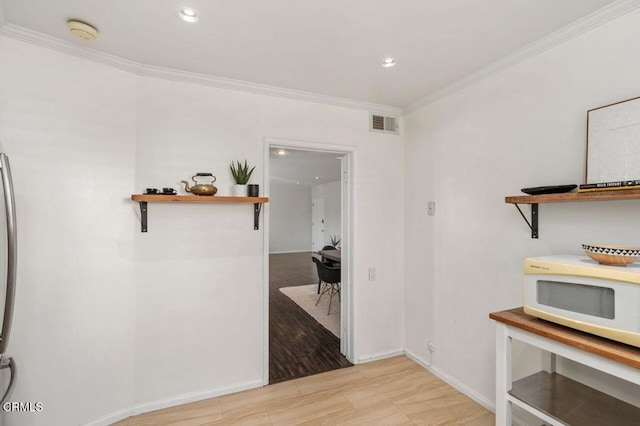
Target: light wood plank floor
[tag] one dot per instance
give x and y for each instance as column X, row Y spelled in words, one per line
column 394, row 391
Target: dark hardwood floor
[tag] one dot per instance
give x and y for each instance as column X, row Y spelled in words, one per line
column 298, row 345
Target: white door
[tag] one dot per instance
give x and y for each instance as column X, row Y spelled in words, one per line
column 317, row 224
column 345, row 247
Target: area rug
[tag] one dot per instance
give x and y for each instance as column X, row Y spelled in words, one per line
column 305, row 296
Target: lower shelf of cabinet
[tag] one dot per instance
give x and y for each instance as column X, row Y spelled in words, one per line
column 572, row 403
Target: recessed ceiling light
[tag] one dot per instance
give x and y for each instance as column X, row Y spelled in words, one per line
column 389, row 62
column 317, row 177
column 281, row 152
column 188, row 15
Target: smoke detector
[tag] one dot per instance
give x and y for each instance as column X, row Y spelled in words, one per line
column 82, row 30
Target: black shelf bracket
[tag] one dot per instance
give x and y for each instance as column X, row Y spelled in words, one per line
column 257, row 207
column 143, row 216
column 534, row 219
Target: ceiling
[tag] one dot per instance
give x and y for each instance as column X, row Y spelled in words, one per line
column 329, row 47
column 304, row 167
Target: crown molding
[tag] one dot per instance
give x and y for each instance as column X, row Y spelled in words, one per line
column 62, row 46
column 263, row 89
column 32, row 37
column 581, row 26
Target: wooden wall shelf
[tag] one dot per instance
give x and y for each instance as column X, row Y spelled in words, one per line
column 197, row 199
column 143, row 199
column 569, row 197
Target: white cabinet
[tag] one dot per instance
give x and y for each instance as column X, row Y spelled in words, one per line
column 553, row 398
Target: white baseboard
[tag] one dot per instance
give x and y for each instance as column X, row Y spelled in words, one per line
column 379, row 356
column 111, row 418
column 459, row 386
column 172, row 402
column 290, row 251
column 453, row 382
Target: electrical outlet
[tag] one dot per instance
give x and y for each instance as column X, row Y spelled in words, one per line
column 431, row 346
column 431, row 208
column 372, row 273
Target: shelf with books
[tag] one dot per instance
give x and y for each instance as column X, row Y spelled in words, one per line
column 609, row 186
column 569, row 197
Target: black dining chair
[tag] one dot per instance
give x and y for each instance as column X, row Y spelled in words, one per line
column 328, row 262
column 330, row 280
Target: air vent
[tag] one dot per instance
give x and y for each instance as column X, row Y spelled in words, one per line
column 380, row 123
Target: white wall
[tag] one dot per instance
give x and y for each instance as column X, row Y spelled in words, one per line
column 175, row 313
column 522, row 127
column 209, row 258
column 290, row 214
column 290, row 217
column 332, row 196
column 68, row 127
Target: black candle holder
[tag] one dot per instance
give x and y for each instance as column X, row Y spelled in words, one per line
column 253, row 190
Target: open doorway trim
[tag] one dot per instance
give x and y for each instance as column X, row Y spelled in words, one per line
column 347, row 341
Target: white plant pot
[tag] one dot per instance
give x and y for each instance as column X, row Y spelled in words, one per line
column 239, row 190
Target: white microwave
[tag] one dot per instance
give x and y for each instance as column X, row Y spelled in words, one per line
column 578, row 292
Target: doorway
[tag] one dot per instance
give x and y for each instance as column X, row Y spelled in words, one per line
column 299, row 339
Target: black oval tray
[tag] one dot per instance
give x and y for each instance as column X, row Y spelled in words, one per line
column 554, row 189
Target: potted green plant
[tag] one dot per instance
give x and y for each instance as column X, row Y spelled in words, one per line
column 241, row 174
column 335, row 240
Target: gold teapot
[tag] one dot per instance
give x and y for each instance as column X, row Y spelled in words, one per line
column 201, row 188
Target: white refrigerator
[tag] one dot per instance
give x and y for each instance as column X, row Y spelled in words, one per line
column 8, row 264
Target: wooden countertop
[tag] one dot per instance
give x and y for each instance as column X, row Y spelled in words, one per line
column 619, row 352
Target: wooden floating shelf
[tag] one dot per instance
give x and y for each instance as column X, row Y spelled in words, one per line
column 197, row 199
column 143, row 199
column 568, row 197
